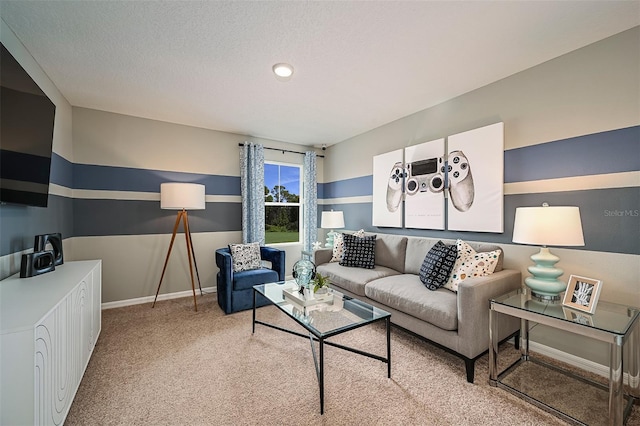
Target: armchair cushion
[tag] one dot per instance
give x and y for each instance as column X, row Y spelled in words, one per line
column 245, row 257
column 247, row 279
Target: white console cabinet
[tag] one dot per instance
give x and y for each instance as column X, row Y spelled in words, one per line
column 49, row 325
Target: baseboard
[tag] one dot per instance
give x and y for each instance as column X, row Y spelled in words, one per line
column 149, row 299
column 584, row 364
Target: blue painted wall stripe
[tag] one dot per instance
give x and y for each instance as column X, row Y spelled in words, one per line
column 353, row 187
column 610, row 219
column 61, row 171
column 599, row 153
column 110, row 178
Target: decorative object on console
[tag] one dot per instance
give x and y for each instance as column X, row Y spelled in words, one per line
column 37, row 263
column 470, row 264
column 543, row 226
column 55, row 241
column 182, row 197
column 331, row 220
column 582, row 293
column 359, row 252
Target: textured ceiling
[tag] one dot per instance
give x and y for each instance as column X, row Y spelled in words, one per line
column 358, row 65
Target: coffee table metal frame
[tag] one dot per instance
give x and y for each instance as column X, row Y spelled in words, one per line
column 321, row 338
column 518, row 304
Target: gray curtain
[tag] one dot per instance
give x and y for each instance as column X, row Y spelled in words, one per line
column 252, row 191
column 310, row 195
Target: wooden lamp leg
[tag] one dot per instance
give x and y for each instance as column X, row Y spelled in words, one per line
column 164, row 269
column 189, row 244
column 182, row 216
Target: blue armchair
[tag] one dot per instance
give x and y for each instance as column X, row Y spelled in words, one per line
column 235, row 289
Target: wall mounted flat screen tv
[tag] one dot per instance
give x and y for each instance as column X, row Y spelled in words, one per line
column 26, row 135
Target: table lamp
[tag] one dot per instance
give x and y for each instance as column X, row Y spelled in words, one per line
column 547, row 226
column 331, row 220
column 182, row 197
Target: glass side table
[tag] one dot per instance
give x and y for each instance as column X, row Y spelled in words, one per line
column 617, row 325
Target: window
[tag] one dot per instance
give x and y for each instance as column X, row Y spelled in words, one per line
column 282, row 189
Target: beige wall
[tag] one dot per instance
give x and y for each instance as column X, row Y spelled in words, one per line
column 591, row 90
column 132, row 264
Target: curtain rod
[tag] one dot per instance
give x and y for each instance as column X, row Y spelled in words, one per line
column 285, row 150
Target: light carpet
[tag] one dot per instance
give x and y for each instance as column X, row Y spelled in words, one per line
column 172, row 366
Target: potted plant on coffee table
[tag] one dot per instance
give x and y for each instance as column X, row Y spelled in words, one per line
column 320, row 284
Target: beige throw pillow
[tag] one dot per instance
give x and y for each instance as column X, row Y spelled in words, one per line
column 471, row 264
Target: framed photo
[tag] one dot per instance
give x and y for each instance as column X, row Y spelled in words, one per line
column 582, row 293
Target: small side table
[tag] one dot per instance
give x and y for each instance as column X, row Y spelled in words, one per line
column 616, row 324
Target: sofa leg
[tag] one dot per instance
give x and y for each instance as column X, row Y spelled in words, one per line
column 470, row 367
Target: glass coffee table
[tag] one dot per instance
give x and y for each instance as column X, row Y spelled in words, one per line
column 618, row 325
column 323, row 317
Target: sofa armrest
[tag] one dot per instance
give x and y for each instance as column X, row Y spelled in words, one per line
column 277, row 259
column 321, row 256
column 473, row 310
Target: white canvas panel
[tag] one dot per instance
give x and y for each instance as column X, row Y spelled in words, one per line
column 388, row 180
column 424, row 186
column 476, row 180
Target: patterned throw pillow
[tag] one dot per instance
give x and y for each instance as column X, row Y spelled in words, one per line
column 470, row 264
column 245, row 256
column 437, row 265
column 359, row 252
column 338, row 245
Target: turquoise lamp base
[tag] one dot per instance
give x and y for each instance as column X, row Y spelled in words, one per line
column 544, row 282
column 330, row 236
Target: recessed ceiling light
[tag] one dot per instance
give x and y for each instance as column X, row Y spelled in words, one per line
column 283, row 71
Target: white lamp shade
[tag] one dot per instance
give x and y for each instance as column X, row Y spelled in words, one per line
column 548, row 226
column 178, row 196
column 332, row 220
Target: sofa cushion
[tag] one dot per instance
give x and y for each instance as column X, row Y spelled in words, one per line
column 391, row 251
column 338, row 245
column 407, row 294
column 353, row 279
column 470, row 263
column 245, row 256
column 359, row 252
column 437, row 265
column 247, row 279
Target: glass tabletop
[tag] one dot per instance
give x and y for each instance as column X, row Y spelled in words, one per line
column 610, row 317
column 324, row 315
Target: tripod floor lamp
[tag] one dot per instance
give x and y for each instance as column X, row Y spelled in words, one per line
column 182, row 197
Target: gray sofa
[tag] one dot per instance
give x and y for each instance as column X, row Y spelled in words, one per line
column 456, row 322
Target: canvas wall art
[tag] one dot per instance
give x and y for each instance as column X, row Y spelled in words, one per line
column 425, row 185
column 475, row 174
column 388, row 185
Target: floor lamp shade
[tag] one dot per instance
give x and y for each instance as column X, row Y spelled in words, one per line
column 547, row 226
column 179, row 196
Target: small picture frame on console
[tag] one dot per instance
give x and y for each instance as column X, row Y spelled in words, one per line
column 582, row 293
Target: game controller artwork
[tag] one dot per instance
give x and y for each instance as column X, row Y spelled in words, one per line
column 468, row 181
